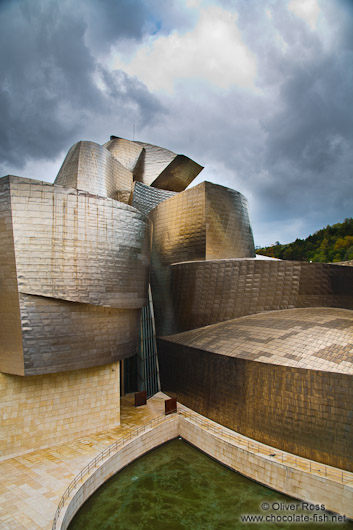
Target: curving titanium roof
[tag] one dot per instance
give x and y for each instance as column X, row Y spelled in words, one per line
column 310, row 338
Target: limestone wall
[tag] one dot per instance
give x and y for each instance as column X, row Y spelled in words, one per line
column 45, row 410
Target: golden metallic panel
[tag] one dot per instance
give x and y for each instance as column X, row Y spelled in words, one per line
column 154, row 165
column 152, row 162
column 315, row 338
column 187, row 227
column 126, row 152
column 11, row 355
column 206, row 292
column 91, row 167
column 75, row 246
column 178, row 174
column 284, row 378
column 60, row 335
column 179, row 227
column 229, row 232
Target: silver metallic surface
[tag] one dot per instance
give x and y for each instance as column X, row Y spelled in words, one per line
column 75, row 246
column 126, row 152
column 206, row 292
column 58, row 335
column 145, row 198
column 152, row 162
column 63, row 246
column 153, row 165
column 91, row 167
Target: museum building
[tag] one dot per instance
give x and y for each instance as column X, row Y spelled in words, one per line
column 118, row 260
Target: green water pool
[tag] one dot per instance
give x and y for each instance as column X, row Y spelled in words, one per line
column 177, row 487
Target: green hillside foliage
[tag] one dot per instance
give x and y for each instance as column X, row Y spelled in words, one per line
column 331, row 244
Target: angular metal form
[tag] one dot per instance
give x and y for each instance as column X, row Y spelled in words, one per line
column 152, row 162
column 153, row 165
column 219, row 290
column 126, row 152
column 205, row 222
column 145, row 198
column 284, row 378
column 91, row 167
column 178, row 174
column 58, row 335
column 64, row 245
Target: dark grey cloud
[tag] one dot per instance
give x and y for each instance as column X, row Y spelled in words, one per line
column 286, row 143
column 49, row 96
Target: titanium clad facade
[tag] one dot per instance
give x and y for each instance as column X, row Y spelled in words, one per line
column 126, row 152
column 60, row 335
column 284, row 378
column 63, row 246
column 229, row 232
column 207, row 292
column 178, row 174
column 152, row 162
column 145, row 198
column 74, row 246
column 187, row 227
column 153, row 165
column 91, row 167
column 11, row 355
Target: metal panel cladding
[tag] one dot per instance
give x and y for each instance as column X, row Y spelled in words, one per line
column 78, row 247
column 91, row 167
column 74, row 276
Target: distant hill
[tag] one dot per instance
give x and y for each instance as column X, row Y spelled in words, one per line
column 331, row 244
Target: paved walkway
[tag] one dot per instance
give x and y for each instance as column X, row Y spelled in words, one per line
column 31, row 485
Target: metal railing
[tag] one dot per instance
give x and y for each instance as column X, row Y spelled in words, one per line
column 113, row 448
column 290, row 460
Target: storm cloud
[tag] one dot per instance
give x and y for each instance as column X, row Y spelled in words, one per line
column 260, row 93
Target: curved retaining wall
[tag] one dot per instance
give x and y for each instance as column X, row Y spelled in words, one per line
column 137, row 447
column 253, row 461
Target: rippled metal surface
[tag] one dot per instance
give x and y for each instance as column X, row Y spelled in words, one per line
column 207, row 221
column 145, row 198
column 283, row 378
column 67, row 245
column 219, row 290
column 91, row 167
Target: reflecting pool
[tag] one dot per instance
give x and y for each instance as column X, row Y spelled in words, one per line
column 177, row 487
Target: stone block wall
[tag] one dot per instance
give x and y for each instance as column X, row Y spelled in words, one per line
column 45, row 410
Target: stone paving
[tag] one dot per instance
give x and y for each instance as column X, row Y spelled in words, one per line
column 32, row 484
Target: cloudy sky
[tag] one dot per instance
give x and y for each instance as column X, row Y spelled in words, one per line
column 260, row 92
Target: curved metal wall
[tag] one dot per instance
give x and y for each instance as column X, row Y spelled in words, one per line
column 284, row 378
column 74, row 246
column 205, row 221
column 65, row 246
column 206, row 292
column 58, row 335
column 91, row 167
